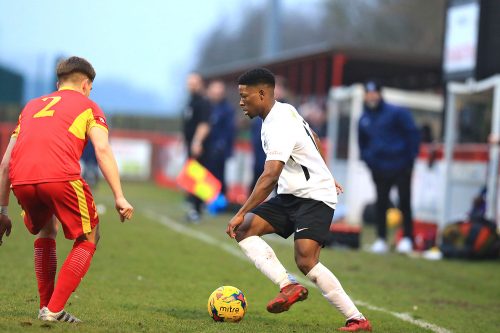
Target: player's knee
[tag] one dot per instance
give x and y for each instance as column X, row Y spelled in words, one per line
column 246, row 231
column 47, row 233
column 241, row 234
column 305, row 264
column 97, row 238
column 248, row 228
column 92, row 237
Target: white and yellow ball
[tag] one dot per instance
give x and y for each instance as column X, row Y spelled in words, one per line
column 227, row 303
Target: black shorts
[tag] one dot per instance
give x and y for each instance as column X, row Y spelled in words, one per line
column 288, row 214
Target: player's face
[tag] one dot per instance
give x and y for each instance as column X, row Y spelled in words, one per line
column 372, row 99
column 194, row 83
column 251, row 99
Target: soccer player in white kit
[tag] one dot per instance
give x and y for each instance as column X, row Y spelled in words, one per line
column 304, row 205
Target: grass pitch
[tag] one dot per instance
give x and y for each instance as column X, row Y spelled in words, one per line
column 150, row 275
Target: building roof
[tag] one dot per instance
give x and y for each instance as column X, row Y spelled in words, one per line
column 401, row 57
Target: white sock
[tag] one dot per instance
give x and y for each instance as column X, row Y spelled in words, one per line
column 332, row 290
column 264, row 258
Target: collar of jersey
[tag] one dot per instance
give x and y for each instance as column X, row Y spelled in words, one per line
column 275, row 105
column 66, row 88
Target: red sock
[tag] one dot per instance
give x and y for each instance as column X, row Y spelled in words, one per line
column 72, row 272
column 45, row 268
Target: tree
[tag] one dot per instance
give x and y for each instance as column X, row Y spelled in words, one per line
column 412, row 25
column 415, row 26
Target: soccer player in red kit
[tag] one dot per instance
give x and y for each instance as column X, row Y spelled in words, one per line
column 41, row 165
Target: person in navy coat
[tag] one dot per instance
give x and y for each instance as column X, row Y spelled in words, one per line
column 389, row 143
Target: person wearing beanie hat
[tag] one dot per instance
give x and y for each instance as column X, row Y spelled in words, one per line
column 389, row 143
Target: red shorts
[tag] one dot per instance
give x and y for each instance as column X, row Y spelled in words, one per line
column 70, row 201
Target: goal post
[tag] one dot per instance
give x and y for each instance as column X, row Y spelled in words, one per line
column 461, row 96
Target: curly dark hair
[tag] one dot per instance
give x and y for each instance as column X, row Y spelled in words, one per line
column 257, row 76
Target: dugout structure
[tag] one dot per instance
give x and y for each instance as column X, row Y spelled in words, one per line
column 448, row 175
column 345, row 106
column 472, row 114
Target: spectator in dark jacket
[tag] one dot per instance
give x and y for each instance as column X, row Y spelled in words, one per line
column 222, row 134
column 196, row 128
column 389, row 143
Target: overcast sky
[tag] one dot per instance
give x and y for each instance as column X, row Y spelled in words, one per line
column 141, row 49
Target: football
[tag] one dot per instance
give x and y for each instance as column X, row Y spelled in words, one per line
column 227, row 303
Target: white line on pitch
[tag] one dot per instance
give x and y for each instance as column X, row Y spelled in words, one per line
column 182, row 229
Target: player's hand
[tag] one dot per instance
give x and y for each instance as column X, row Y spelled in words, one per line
column 196, row 149
column 234, row 224
column 125, row 210
column 493, row 139
column 339, row 187
column 5, row 226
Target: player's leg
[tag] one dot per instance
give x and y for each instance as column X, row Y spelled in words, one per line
column 253, row 225
column 39, row 220
column 74, row 269
column 46, row 260
column 50, row 229
column 74, row 206
column 307, row 258
column 258, row 251
column 270, row 217
column 264, row 258
column 312, row 220
column 72, row 272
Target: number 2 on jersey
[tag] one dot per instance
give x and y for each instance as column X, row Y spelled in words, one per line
column 46, row 111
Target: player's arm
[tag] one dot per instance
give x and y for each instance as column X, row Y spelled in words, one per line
column 5, row 223
column 338, row 186
column 201, row 133
column 204, row 110
column 109, row 168
column 493, row 139
column 264, row 186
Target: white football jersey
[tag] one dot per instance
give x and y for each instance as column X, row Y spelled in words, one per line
column 286, row 137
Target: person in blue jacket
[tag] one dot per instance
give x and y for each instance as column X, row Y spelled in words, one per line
column 90, row 168
column 221, row 138
column 389, row 143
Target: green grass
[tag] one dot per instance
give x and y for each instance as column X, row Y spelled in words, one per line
column 146, row 277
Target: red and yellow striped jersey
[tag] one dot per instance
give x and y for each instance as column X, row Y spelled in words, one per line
column 51, row 134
